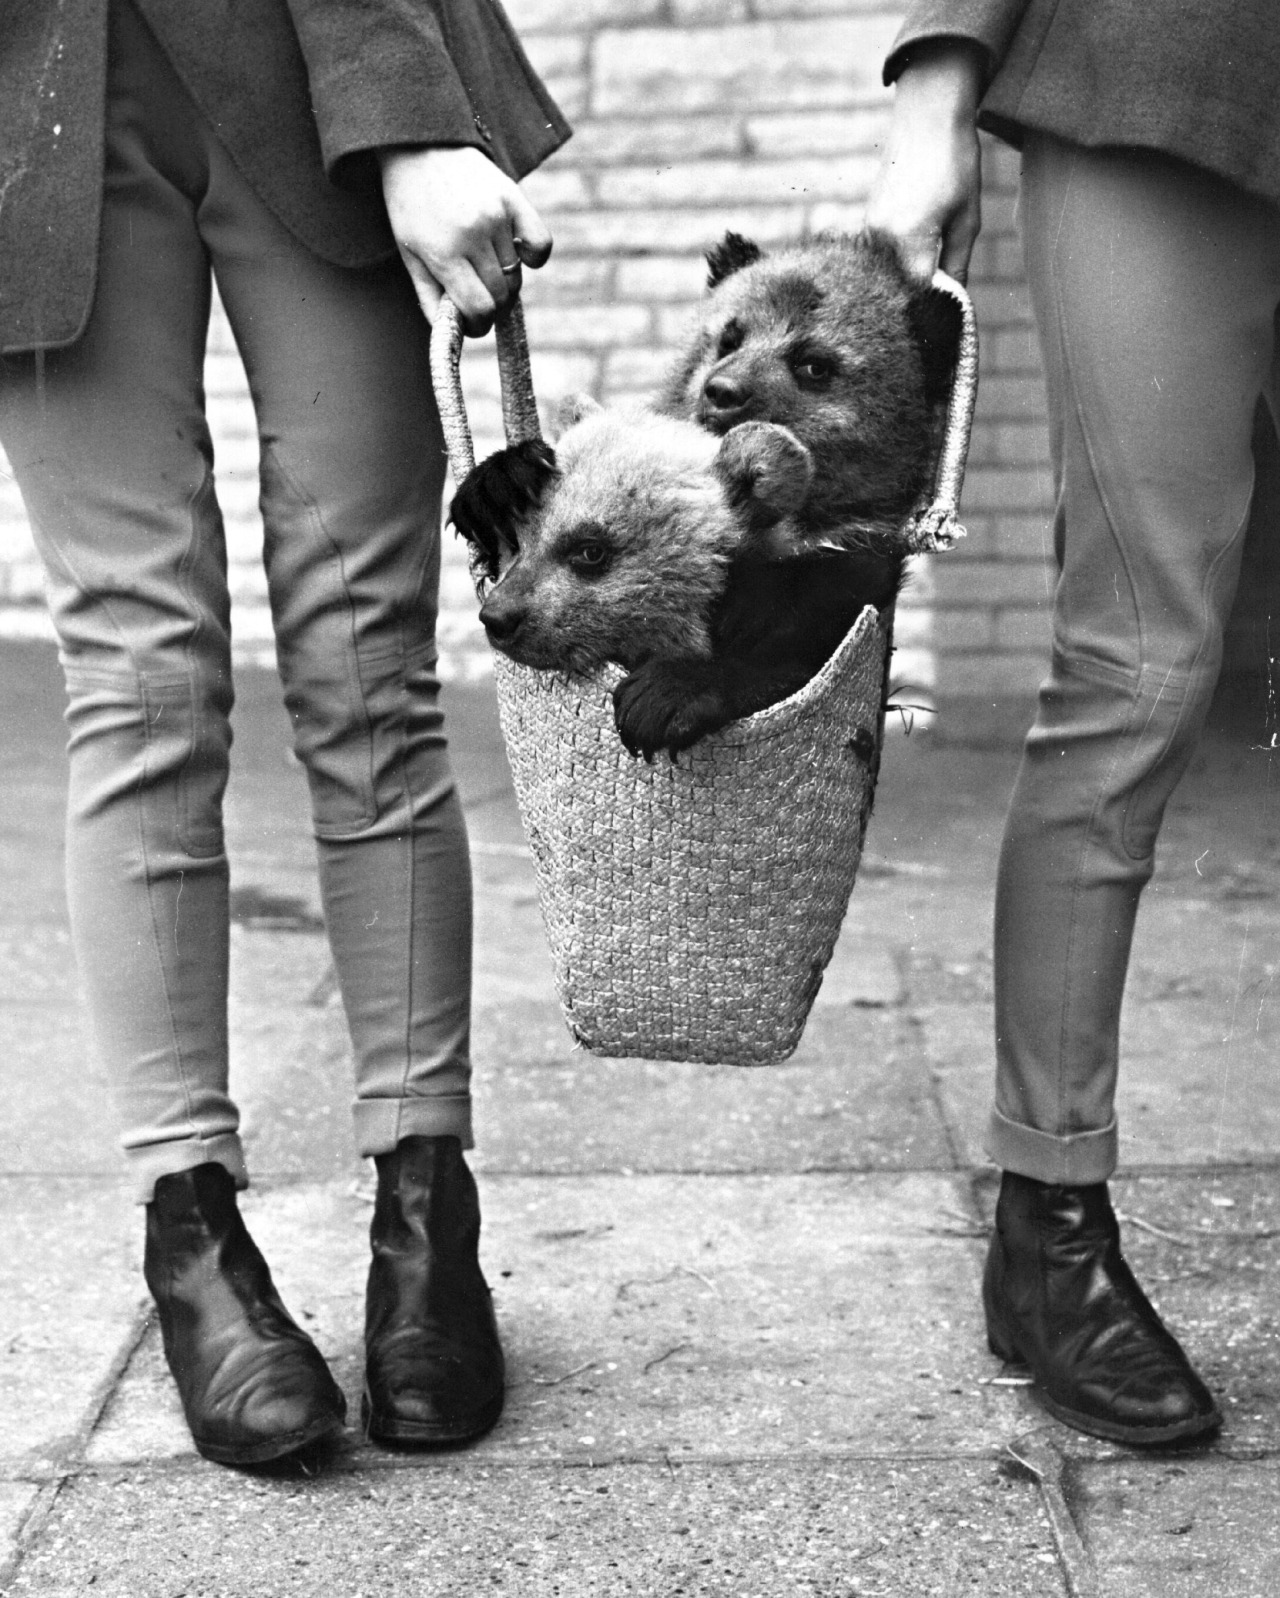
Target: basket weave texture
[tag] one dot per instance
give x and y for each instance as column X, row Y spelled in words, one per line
column 692, row 907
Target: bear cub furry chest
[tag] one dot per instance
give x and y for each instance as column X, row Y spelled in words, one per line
column 833, row 346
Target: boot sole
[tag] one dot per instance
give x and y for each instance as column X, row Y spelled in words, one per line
column 437, row 1434
column 1094, row 1426
column 1138, row 1436
column 270, row 1448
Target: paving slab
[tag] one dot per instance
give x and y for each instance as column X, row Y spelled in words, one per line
column 61, row 1122
column 1170, row 1529
column 959, row 1042
column 17, row 1498
column 1198, row 1085
column 801, row 1529
column 70, row 1294
column 855, row 1095
column 291, row 1062
column 670, row 1315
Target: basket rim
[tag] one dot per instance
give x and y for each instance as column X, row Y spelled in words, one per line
column 774, row 721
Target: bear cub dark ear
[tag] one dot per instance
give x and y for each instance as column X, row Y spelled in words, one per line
column 729, row 256
column 498, row 494
column 936, row 323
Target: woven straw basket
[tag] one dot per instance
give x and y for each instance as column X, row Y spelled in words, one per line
column 692, row 907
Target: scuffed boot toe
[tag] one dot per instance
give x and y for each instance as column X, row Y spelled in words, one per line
column 294, row 1404
column 416, row 1396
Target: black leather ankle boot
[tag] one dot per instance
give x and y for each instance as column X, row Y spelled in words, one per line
column 254, row 1386
column 434, row 1368
column 1060, row 1299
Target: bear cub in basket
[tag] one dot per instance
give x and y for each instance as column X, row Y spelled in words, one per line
column 625, row 555
column 831, row 341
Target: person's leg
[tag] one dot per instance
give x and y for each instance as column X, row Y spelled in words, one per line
column 111, row 449
column 1155, row 290
column 352, row 474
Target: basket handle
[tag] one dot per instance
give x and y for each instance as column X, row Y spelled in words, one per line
column 519, row 406
column 934, row 525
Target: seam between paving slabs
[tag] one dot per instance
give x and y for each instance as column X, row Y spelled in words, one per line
column 356, row 1461
column 284, row 1179
column 68, row 1459
column 1047, row 1466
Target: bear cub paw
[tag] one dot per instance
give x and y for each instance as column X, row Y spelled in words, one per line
column 668, row 704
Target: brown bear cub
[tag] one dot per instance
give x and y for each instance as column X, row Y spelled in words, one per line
column 835, row 342
column 622, row 553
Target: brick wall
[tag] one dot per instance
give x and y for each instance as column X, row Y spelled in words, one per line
column 694, row 116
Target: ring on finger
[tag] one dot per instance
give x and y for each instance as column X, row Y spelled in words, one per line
column 510, row 270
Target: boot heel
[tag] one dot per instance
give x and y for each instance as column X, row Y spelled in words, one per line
column 998, row 1339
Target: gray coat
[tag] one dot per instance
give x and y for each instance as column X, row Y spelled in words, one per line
column 1195, row 80
column 301, row 93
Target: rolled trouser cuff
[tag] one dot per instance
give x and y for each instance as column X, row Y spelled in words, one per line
column 150, row 1162
column 381, row 1123
column 1076, row 1160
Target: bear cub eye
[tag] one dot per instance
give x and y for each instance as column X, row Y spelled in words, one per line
column 814, row 369
column 588, row 555
column 731, row 339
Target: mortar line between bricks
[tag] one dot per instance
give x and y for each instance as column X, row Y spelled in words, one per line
column 69, row 1459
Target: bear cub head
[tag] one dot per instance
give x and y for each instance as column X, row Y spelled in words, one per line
column 833, row 340
column 615, row 546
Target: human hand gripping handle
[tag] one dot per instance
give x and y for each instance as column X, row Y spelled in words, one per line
column 928, row 192
column 463, row 228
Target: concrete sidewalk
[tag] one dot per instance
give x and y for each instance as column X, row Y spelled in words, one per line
column 740, row 1307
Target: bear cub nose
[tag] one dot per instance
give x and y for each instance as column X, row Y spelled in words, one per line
column 500, row 622
column 723, row 396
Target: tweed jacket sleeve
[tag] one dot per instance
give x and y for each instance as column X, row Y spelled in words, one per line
column 417, row 72
column 989, row 23
column 303, row 91
column 1192, row 80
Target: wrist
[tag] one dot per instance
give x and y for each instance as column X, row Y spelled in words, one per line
column 942, row 81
